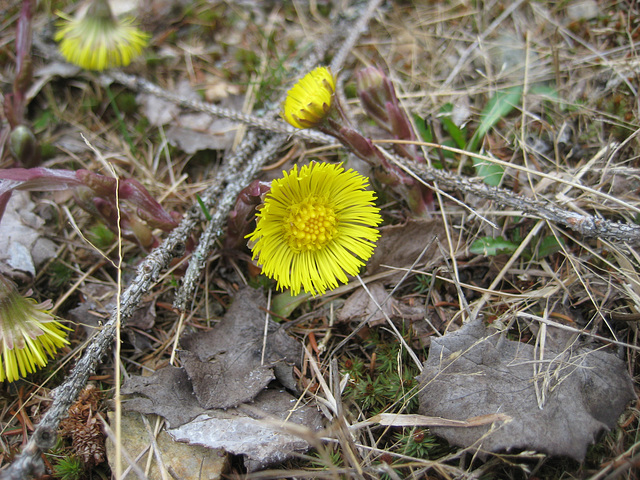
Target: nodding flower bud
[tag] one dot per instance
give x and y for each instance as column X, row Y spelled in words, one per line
column 99, row 195
column 376, row 91
column 241, row 217
column 24, row 146
column 378, row 98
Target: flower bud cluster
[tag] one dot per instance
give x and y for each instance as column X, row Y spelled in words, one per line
column 105, row 197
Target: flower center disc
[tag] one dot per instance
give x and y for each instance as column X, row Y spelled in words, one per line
column 311, row 224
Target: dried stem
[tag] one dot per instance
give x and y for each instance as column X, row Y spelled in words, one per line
column 587, row 225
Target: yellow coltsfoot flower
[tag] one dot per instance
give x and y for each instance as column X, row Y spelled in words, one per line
column 28, row 333
column 308, row 102
column 98, row 40
column 316, row 226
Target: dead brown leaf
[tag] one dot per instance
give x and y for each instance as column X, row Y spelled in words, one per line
column 222, row 369
column 400, row 245
column 252, row 431
column 476, row 371
column 225, row 363
column 361, row 305
column 167, row 392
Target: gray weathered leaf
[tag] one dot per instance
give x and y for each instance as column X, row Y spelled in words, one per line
column 225, row 363
column 476, row 371
column 167, row 392
column 248, row 432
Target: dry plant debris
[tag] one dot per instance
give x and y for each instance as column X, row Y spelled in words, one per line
column 538, row 97
column 84, row 427
column 223, row 369
column 23, row 247
column 558, row 398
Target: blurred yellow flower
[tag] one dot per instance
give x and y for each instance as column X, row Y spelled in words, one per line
column 316, row 226
column 98, row 40
column 309, row 100
column 28, row 333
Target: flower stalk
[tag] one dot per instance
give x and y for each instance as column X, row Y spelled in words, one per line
column 103, row 196
column 23, row 144
column 312, row 103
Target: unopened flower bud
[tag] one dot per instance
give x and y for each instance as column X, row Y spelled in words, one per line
column 24, row 146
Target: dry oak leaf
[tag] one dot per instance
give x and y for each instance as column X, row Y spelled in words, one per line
column 400, row 245
column 474, row 371
column 225, row 363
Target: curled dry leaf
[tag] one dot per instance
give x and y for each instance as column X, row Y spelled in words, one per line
column 575, row 393
column 206, row 401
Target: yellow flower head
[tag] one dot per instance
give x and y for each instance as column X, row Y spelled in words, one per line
column 98, row 40
column 309, row 100
column 28, row 333
column 316, row 226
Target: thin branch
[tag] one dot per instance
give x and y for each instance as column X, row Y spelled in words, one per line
column 587, row 225
column 216, row 226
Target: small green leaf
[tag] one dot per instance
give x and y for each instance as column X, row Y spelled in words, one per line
column 284, row 304
column 459, row 135
column 499, row 106
column 490, row 173
column 203, row 207
column 548, row 246
column 45, row 119
column 423, row 129
column 492, row 246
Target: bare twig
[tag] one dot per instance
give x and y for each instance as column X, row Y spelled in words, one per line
column 269, row 148
column 269, row 124
column 29, row 462
column 587, row 225
column 216, row 226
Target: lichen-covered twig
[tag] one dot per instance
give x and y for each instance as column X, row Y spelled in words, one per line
column 355, row 31
column 216, row 225
column 270, row 146
column 587, row 225
column 267, row 123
